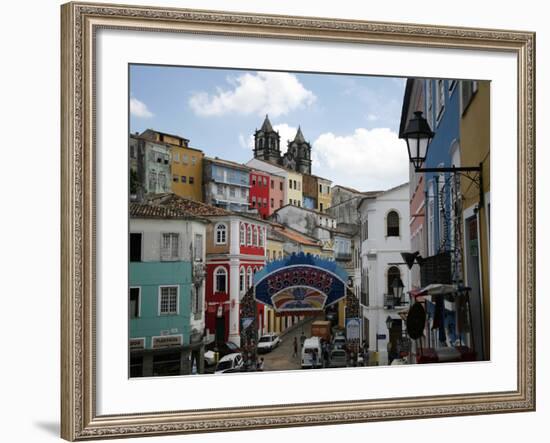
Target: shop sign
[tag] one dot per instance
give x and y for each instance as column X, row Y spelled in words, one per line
column 137, row 343
column 167, row 341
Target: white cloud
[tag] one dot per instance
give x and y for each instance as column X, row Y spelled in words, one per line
column 367, row 160
column 139, row 109
column 273, row 93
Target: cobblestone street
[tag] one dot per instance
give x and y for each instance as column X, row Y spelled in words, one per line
column 281, row 358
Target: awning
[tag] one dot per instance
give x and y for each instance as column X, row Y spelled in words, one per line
column 437, row 289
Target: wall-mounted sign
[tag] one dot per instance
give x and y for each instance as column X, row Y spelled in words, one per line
column 167, row 341
column 137, row 343
column 353, row 328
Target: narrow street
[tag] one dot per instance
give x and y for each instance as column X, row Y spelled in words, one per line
column 281, row 358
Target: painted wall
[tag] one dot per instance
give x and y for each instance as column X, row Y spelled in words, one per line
column 324, row 195
column 149, row 276
column 294, row 186
column 475, row 149
column 276, row 193
column 445, row 124
column 225, row 186
column 259, row 193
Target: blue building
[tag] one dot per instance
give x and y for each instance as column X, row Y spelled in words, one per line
column 443, row 115
column 226, row 184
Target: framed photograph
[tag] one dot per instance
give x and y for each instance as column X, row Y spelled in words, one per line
column 277, row 221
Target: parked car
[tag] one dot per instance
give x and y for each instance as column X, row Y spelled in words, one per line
column 230, row 363
column 339, row 342
column 338, row 358
column 268, row 342
column 223, row 350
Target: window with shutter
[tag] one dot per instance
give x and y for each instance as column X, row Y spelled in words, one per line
column 169, row 248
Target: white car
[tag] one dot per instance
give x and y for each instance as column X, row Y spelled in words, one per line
column 268, row 342
column 230, row 363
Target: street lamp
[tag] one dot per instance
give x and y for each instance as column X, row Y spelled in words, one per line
column 397, row 287
column 389, row 322
column 418, row 136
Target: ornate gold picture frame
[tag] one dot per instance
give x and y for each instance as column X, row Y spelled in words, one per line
column 80, row 23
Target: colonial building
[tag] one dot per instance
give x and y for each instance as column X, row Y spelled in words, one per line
column 267, row 148
column 414, row 100
column 235, row 250
column 149, row 167
column 384, row 232
column 166, row 294
column 309, row 222
column 226, row 184
column 475, row 150
column 259, row 198
column 186, row 164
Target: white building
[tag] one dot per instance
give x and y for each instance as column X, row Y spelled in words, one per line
column 384, row 235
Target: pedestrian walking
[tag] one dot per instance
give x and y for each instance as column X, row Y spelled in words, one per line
column 295, row 354
column 314, row 359
column 260, row 364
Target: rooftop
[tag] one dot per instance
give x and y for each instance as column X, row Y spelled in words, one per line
column 228, row 163
column 173, row 206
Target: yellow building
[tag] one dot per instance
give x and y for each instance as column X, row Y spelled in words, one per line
column 294, row 188
column 474, row 150
column 186, row 164
column 324, row 195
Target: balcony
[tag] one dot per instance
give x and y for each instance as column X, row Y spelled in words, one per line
column 390, row 302
column 343, row 256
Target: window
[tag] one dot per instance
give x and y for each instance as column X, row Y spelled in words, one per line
column 429, row 103
column 281, row 187
column 255, row 236
column 183, row 179
column 191, row 180
column 272, row 203
column 299, row 186
column 469, row 88
column 162, row 181
column 452, row 85
column 221, row 234
column 265, row 202
column 193, row 160
column 253, row 180
column 440, row 97
column 152, row 180
column 272, row 184
column 265, row 181
column 175, row 178
column 243, row 193
column 290, row 183
column 132, row 151
column 392, row 224
column 249, row 235
column 320, row 189
column 250, row 276
column 168, row 303
column 242, row 279
column 295, row 184
column 232, row 191
column 169, row 246
column 274, row 255
column 241, row 234
column 299, row 203
column 220, row 280
column 135, row 246
column 185, row 159
column 197, row 247
column 280, row 203
column 253, row 201
column 321, row 207
column 260, row 237
column 176, row 157
column 134, row 302
column 393, row 273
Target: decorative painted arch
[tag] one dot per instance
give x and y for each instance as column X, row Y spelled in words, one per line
column 299, row 284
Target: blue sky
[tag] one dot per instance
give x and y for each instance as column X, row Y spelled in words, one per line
column 351, row 121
